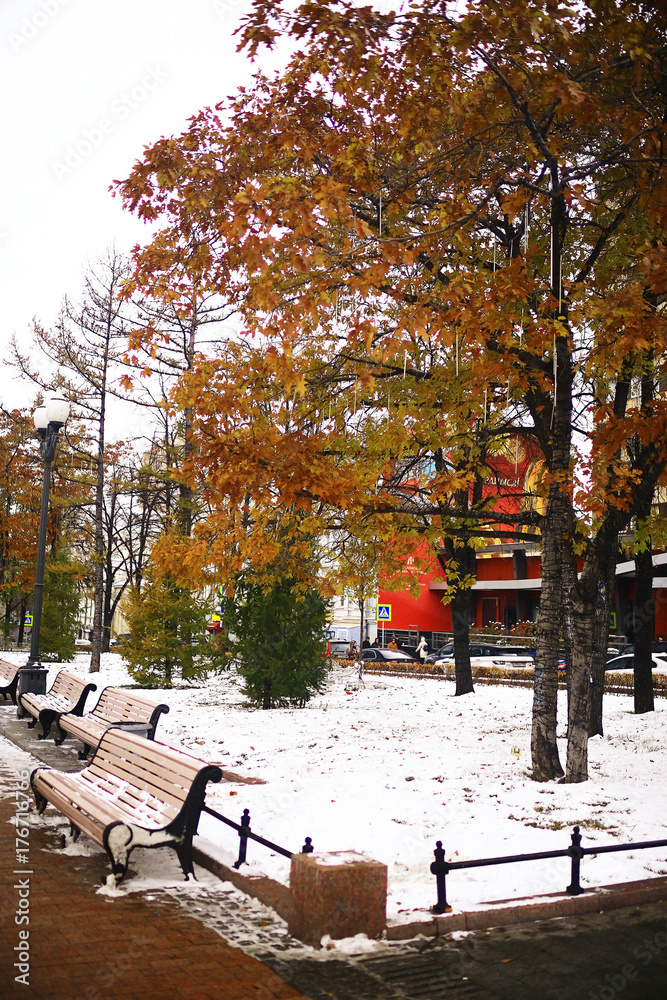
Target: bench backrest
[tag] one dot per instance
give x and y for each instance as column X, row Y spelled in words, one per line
column 160, row 771
column 7, row 670
column 69, row 685
column 115, row 705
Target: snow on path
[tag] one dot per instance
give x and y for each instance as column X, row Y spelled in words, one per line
column 390, row 766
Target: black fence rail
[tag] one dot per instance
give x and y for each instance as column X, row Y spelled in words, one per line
column 441, row 868
column 246, row 834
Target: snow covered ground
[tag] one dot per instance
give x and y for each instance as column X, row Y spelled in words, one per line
column 389, row 766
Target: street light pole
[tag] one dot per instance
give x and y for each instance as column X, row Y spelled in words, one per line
column 48, row 418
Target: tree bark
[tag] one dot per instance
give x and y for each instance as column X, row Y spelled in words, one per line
column 644, row 632
column 465, row 560
column 578, row 711
column 460, row 626
column 601, row 642
column 543, row 745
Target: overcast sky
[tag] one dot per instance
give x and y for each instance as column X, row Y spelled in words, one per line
column 86, row 84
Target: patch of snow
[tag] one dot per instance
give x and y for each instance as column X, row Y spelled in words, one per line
column 399, row 763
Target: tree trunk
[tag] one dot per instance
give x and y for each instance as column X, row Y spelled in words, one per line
column 21, row 632
column 578, row 710
column 465, row 559
column 361, row 624
column 266, row 699
column 644, row 631
column 460, row 625
column 543, row 745
column 601, row 642
column 98, row 557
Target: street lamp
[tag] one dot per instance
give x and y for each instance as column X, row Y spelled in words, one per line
column 49, row 418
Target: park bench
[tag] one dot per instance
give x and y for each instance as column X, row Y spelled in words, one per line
column 134, row 793
column 121, row 709
column 9, row 678
column 68, row 694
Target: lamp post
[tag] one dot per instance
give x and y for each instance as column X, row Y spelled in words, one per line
column 49, row 418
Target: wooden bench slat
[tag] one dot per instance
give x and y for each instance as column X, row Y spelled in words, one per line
column 68, row 693
column 9, row 677
column 180, row 761
column 101, row 810
column 108, row 798
column 174, row 795
column 114, row 707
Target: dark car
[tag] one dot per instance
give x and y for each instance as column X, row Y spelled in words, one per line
column 479, row 649
column 375, row 655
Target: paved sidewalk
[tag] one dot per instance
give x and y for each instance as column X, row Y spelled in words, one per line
column 207, row 943
column 85, row 945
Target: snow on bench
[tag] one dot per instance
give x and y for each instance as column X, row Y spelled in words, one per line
column 124, row 709
column 134, row 793
column 68, row 694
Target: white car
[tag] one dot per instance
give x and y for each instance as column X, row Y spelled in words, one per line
column 497, row 660
column 627, row 662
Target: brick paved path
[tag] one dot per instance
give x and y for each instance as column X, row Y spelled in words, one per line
column 85, row 946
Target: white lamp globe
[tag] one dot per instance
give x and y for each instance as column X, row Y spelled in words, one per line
column 40, row 418
column 57, row 410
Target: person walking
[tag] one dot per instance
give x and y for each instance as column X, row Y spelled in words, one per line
column 352, row 651
column 422, row 649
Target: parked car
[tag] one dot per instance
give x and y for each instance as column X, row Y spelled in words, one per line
column 495, row 659
column 659, row 646
column 478, row 649
column 376, row 655
column 338, row 648
column 627, row 662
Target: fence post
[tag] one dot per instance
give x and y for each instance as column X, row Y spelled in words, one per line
column 243, row 838
column 576, row 853
column 440, row 868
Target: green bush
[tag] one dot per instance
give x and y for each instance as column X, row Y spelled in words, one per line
column 168, row 635
column 278, row 639
column 60, row 608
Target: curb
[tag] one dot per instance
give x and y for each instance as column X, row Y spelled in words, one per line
column 497, row 913
column 502, row 912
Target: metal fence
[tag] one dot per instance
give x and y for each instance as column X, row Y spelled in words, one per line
column 441, row 868
column 246, row 834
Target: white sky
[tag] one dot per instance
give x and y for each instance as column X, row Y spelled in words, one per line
column 139, row 67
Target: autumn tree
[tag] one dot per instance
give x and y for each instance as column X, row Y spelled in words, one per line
column 79, row 357
column 450, row 234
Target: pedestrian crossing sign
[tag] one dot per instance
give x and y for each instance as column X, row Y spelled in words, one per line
column 384, row 612
column 28, row 620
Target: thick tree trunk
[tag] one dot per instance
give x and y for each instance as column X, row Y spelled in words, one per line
column 644, row 631
column 465, row 559
column 460, row 625
column 544, row 748
column 578, row 710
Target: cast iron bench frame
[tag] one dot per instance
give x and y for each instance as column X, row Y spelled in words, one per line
column 9, row 678
column 117, row 708
column 68, row 694
column 134, row 793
